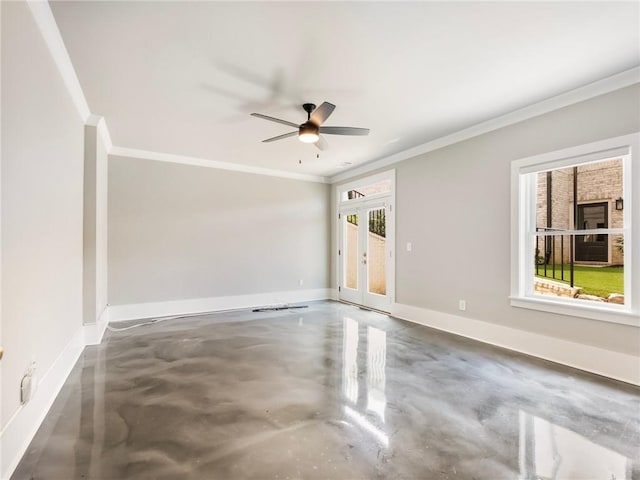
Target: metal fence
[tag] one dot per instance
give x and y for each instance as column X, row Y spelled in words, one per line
column 554, row 254
column 377, row 217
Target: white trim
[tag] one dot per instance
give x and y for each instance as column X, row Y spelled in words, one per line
column 201, row 162
column 23, row 425
column 2, row 463
column 616, row 365
column 117, row 313
column 93, row 332
column 579, row 154
column 626, row 147
column 590, row 231
column 601, row 311
column 364, row 181
column 386, row 199
column 101, row 125
column 45, row 20
column 48, row 27
column 600, row 87
column 43, row 16
column 571, row 157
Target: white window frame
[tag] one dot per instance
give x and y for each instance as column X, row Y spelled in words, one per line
column 523, row 214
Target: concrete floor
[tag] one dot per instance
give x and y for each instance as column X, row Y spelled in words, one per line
column 330, row 391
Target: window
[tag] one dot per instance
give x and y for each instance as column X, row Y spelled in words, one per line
column 382, row 187
column 571, row 247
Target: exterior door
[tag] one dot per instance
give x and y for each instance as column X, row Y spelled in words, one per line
column 364, row 256
column 592, row 247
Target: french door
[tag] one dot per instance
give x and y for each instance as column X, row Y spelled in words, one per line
column 365, row 256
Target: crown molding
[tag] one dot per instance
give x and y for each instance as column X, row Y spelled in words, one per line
column 101, row 125
column 45, row 20
column 600, row 87
column 201, row 162
column 48, row 27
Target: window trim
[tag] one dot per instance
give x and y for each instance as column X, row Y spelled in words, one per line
column 521, row 272
column 388, row 175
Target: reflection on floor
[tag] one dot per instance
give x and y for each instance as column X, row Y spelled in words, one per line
column 329, row 392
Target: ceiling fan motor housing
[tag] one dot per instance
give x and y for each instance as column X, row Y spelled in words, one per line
column 308, row 132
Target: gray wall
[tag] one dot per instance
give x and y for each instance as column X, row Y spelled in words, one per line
column 102, row 175
column 95, row 225
column 181, row 232
column 42, row 164
column 453, row 206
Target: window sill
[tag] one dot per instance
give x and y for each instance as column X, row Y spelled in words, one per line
column 620, row 314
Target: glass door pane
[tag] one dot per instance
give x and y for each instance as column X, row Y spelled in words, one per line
column 351, row 253
column 376, row 252
column 364, row 256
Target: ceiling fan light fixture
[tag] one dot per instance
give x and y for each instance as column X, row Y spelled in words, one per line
column 308, row 133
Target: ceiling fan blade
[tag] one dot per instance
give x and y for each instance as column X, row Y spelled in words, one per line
column 280, row 137
column 344, row 130
column 273, row 119
column 321, row 143
column 320, row 114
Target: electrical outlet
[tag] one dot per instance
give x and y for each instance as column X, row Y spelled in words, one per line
column 28, row 383
column 462, row 305
column 300, row 282
column 409, row 246
column 25, row 388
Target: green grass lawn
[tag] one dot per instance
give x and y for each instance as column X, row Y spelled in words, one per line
column 600, row 281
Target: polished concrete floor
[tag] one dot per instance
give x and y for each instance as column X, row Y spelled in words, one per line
column 332, row 392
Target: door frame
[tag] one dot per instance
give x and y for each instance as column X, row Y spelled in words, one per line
column 606, row 248
column 384, row 199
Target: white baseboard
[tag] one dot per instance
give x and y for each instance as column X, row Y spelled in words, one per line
column 117, row 313
column 21, row 428
column 23, row 425
column 93, row 332
column 618, row 366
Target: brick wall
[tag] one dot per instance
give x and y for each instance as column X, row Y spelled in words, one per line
column 376, row 262
column 351, row 256
column 597, row 182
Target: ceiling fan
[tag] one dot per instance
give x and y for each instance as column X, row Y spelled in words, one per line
column 309, row 131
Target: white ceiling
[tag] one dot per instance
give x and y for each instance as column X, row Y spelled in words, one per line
column 182, row 78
